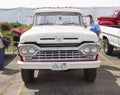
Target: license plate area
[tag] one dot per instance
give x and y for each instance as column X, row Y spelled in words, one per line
column 59, row 66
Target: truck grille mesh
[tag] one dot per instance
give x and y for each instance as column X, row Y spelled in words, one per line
column 60, row 55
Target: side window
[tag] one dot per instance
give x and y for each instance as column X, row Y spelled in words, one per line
column 39, row 20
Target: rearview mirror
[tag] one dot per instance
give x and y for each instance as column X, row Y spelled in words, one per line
column 86, row 21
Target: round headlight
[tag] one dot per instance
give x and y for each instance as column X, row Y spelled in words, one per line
column 32, row 50
column 94, row 49
column 86, row 49
column 24, row 50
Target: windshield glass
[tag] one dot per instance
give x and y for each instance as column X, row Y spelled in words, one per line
column 56, row 18
column 115, row 13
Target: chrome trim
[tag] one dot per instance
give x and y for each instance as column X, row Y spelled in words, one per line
column 59, row 53
column 21, row 46
column 58, row 48
column 90, row 45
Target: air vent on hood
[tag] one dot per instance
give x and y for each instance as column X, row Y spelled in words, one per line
column 61, row 38
column 70, row 38
column 47, row 38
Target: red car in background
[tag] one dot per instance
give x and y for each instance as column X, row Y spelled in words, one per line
column 18, row 31
column 114, row 19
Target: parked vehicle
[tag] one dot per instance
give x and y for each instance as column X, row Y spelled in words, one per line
column 58, row 41
column 18, row 32
column 114, row 19
column 111, row 37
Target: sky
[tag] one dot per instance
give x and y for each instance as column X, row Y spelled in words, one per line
column 60, row 3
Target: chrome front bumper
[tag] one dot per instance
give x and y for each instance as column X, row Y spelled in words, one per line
column 59, row 65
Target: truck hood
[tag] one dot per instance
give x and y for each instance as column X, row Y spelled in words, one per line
column 58, row 34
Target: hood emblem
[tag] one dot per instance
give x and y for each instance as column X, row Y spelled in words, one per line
column 58, row 38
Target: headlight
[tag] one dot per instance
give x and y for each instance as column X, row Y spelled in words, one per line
column 24, row 50
column 94, row 49
column 86, row 49
column 28, row 49
column 90, row 48
column 32, row 50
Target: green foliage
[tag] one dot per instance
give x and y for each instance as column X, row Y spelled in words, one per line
column 7, row 33
column 14, row 24
column 4, row 26
column 30, row 26
column 5, row 30
column 23, row 26
column 18, row 25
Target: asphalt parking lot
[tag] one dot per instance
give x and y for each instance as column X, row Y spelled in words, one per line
column 62, row 83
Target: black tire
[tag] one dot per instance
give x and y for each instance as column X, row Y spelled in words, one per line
column 27, row 75
column 108, row 49
column 90, row 74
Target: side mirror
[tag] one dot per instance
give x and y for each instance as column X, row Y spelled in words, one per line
column 86, row 21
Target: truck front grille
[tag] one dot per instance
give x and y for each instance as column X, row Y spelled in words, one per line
column 65, row 55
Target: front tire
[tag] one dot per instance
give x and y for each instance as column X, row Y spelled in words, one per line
column 27, row 75
column 108, row 49
column 90, row 74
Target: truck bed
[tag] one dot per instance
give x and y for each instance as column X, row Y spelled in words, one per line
column 114, row 26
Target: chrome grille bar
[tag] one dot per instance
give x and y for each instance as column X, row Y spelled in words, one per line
column 60, row 55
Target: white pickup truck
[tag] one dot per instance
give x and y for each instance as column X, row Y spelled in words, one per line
column 111, row 37
column 58, row 41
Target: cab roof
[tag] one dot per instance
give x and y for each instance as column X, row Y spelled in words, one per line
column 58, row 9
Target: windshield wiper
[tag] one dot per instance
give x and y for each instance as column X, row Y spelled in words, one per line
column 70, row 24
column 45, row 24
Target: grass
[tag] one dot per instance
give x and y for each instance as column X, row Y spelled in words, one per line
column 11, row 47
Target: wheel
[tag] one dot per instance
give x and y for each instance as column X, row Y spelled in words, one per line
column 90, row 74
column 108, row 49
column 27, row 75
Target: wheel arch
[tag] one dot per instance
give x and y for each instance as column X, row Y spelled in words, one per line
column 104, row 37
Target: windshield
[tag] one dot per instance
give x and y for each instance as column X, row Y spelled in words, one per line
column 115, row 13
column 58, row 18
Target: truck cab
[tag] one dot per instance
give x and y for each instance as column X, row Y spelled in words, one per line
column 58, row 41
column 114, row 19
